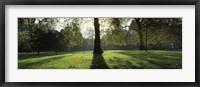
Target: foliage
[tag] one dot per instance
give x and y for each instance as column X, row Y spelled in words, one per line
column 39, row 34
column 155, row 33
column 42, row 34
column 71, row 36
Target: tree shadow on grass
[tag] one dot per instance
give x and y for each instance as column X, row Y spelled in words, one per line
column 98, row 62
column 162, row 59
column 120, row 63
column 32, row 55
column 43, row 61
column 22, row 56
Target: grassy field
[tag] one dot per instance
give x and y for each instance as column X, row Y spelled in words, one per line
column 114, row 59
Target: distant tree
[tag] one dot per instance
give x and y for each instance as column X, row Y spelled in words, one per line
column 88, row 42
column 29, row 29
column 52, row 41
column 161, row 32
column 137, row 25
column 38, row 37
column 116, row 34
column 71, row 35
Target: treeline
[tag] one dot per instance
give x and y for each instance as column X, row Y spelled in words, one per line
column 41, row 34
column 146, row 33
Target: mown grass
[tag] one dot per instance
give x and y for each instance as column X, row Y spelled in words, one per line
column 113, row 59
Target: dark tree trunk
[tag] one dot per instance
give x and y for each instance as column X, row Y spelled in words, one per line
column 141, row 40
column 97, row 43
column 98, row 62
column 38, row 51
column 139, row 30
column 56, row 51
column 146, row 39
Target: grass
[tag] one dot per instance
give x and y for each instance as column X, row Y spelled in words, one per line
column 113, row 59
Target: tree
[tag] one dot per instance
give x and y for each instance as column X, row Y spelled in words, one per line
column 137, row 25
column 97, row 43
column 52, row 41
column 25, row 27
column 33, row 32
column 23, row 41
column 162, row 32
column 116, row 36
column 71, row 35
column 88, row 42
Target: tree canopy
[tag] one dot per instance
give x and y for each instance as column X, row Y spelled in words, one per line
column 98, row 34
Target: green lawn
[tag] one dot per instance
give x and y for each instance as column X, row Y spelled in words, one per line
column 114, row 59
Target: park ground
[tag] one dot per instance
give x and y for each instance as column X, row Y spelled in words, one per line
column 112, row 59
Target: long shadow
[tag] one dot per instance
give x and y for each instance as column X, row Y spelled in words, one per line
column 98, row 62
column 44, row 61
column 31, row 55
column 22, row 56
column 123, row 64
column 156, row 59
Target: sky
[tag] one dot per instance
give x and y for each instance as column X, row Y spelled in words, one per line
column 83, row 27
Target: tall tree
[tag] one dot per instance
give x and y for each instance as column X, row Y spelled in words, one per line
column 139, row 30
column 97, row 43
column 71, row 35
column 162, row 32
column 40, row 34
column 25, row 27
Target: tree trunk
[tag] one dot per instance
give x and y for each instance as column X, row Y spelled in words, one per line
column 97, row 43
column 146, row 40
column 141, row 39
column 139, row 31
column 56, row 51
column 38, row 51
